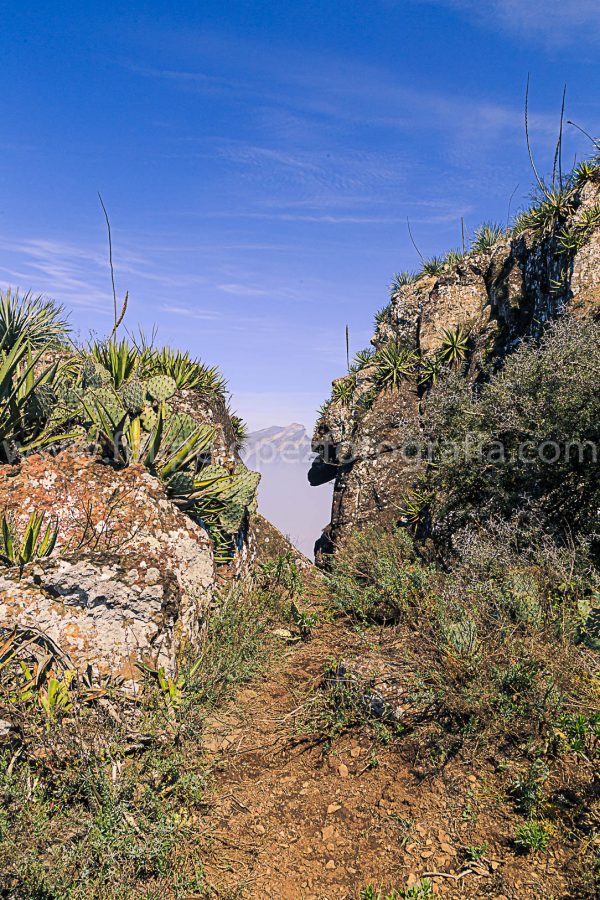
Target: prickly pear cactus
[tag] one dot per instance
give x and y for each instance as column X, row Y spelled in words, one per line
column 133, row 394
column 148, row 417
column 211, row 475
column 243, row 487
column 181, row 484
column 161, row 387
column 94, row 375
column 179, row 427
column 104, row 402
column 232, row 517
column 41, row 403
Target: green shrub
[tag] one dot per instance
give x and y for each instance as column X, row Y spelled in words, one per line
column 377, row 576
column 532, row 837
column 494, row 446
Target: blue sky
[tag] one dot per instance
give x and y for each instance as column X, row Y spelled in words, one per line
column 259, row 159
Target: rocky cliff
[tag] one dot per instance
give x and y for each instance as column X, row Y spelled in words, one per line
column 468, row 311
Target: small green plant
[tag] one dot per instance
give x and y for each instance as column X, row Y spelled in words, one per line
column 33, row 544
column 474, row 852
column 532, row 837
column 584, row 172
column 343, row 391
column 382, row 315
column 400, row 280
column 422, row 890
column 487, row 236
column 304, row 620
column 527, row 789
column 393, row 365
column 363, row 358
column 453, row 258
column 281, row 574
column 429, row 369
column 240, row 430
column 455, row 346
column 582, row 732
column 433, row 266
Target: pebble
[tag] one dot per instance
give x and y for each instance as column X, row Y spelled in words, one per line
column 330, row 864
column 343, row 770
column 333, row 807
column 355, row 752
column 259, row 829
column 327, row 832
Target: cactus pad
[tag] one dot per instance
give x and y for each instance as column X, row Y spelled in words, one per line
column 133, row 394
column 161, row 387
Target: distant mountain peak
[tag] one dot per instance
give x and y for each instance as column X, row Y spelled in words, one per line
column 290, row 443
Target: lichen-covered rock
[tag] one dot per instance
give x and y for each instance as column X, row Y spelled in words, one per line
column 131, row 577
column 499, row 297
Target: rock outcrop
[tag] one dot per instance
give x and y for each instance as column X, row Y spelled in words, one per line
column 131, row 578
column 498, row 297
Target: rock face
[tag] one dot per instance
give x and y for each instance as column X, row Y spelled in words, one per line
column 132, row 577
column 499, row 296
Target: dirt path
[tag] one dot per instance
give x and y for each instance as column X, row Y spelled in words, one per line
column 292, row 821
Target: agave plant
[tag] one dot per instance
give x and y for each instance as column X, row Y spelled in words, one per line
column 189, row 374
column 394, row 363
column 455, row 345
column 584, row 172
column 362, row 359
column 453, row 258
column 120, row 359
column 169, row 447
column 34, row 319
column 487, row 236
column 413, row 506
column 433, row 266
column 429, row 369
column 27, row 393
column 32, row 544
column 343, row 391
column 240, row 430
column 400, row 280
column 544, row 216
column 382, row 314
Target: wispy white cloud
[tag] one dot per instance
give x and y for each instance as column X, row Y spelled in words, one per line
column 556, row 22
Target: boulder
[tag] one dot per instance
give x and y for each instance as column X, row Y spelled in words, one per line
column 131, row 577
